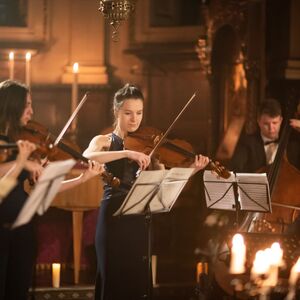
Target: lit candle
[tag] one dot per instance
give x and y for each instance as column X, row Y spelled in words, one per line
column 238, row 255
column 27, row 69
column 261, row 264
column 202, row 268
column 11, row 57
column 74, row 93
column 295, row 270
column 56, row 275
column 276, row 254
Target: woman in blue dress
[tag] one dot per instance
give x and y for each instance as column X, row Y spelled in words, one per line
column 121, row 242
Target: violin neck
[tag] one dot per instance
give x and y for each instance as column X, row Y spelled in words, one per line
column 178, row 149
column 72, row 152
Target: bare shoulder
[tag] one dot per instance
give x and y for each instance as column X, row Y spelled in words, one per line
column 100, row 143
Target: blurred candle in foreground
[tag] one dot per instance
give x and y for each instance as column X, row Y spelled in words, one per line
column 74, row 93
column 276, row 254
column 295, row 270
column 11, row 57
column 238, row 255
column 27, row 69
column 261, row 264
column 56, row 275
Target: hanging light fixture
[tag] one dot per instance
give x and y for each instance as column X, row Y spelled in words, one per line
column 116, row 11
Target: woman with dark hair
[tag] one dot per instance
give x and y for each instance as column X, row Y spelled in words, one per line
column 121, row 242
column 18, row 246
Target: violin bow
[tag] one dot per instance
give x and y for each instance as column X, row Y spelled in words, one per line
column 172, row 125
column 72, row 117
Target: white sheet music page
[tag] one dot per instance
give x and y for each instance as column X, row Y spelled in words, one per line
column 219, row 193
column 160, row 188
column 141, row 192
column 44, row 191
column 253, row 189
column 170, row 189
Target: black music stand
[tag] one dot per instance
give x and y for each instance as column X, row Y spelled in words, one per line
column 240, row 192
column 154, row 192
column 44, row 191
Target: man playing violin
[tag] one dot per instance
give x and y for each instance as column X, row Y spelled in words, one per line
column 121, row 243
column 18, row 246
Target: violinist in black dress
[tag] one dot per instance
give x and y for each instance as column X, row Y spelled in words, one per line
column 18, row 246
column 121, row 242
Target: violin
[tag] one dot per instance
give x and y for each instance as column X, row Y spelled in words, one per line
column 171, row 152
column 38, row 134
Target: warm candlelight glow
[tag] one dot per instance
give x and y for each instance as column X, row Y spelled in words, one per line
column 28, row 56
column 56, row 275
column 274, row 254
column 295, row 270
column 75, row 67
column 261, row 263
column 11, row 64
column 238, row 255
column 27, row 69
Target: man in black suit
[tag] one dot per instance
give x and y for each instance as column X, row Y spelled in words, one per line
column 258, row 150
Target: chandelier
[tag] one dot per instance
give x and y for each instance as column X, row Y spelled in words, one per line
column 116, row 11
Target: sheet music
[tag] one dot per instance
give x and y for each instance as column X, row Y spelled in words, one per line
column 254, row 191
column 160, row 187
column 219, row 192
column 44, row 191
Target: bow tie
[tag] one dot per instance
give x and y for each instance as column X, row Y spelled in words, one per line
column 271, row 142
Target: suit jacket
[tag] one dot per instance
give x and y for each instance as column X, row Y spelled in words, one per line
column 249, row 155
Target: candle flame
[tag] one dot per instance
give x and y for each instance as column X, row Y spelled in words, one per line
column 75, row 67
column 237, row 240
column 28, row 56
column 11, row 55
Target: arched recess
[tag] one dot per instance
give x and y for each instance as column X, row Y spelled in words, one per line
column 228, row 93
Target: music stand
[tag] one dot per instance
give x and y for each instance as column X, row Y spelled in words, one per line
column 44, row 191
column 240, row 192
column 154, row 192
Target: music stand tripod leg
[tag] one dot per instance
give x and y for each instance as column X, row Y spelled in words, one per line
column 148, row 222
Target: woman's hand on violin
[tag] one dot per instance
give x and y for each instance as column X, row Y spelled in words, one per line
column 200, row 162
column 140, row 158
column 25, row 149
column 94, row 169
column 35, row 169
column 295, row 123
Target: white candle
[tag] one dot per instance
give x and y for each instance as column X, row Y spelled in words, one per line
column 261, row 264
column 27, row 69
column 74, row 93
column 56, row 275
column 11, row 57
column 238, row 255
column 295, row 270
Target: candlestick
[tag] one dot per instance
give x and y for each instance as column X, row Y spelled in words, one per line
column 238, row 255
column 11, row 64
column 27, row 69
column 56, row 275
column 74, row 93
